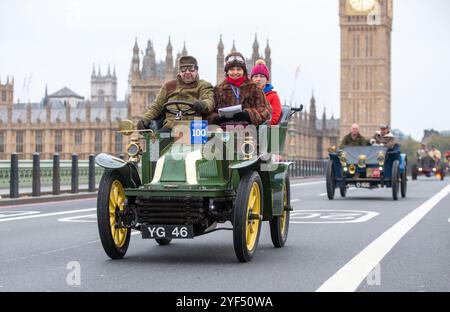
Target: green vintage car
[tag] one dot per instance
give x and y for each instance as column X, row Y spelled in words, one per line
column 185, row 188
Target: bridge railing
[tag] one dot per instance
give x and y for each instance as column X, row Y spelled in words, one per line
column 307, row 168
column 18, row 175
column 37, row 173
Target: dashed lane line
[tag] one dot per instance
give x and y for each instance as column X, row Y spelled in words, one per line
column 42, row 215
column 52, row 251
column 307, row 183
column 350, row 276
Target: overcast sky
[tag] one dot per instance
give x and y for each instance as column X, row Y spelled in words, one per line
column 56, row 42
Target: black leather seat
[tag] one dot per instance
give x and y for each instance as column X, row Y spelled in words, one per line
column 285, row 111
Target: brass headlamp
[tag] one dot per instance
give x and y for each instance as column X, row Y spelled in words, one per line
column 380, row 159
column 342, row 158
column 352, row 169
column 362, row 161
column 248, row 147
column 134, row 149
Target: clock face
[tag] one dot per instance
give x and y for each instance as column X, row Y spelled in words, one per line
column 362, row 5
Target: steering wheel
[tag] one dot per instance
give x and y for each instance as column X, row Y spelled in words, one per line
column 180, row 111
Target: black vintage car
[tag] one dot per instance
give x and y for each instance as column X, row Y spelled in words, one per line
column 428, row 167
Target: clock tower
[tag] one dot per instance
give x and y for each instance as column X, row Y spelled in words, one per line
column 366, row 27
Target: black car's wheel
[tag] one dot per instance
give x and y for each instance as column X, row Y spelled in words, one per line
column 395, row 179
column 404, row 183
column 414, row 172
column 163, row 241
column 279, row 226
column 110, row 208
column 331, row 183
column 247, row 216
column 343, row 190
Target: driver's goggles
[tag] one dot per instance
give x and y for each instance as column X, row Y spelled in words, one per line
column 235, row 58
column 190, row 68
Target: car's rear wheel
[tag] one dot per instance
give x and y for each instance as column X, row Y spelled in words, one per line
column 279, row 226
column 331, row 183
column 414, row 172
column 110, row 209
column 395, row 179
column 247, row 216
column 404, row 183
column 343, row 190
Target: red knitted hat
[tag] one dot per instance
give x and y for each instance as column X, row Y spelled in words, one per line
column 261, row 69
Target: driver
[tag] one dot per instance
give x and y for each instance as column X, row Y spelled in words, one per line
column 384, row 137
column 187, row 87
column 354, row 138
column 422, row 151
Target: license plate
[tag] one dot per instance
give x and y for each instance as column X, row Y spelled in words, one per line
column 373, row 173
column 167, row 231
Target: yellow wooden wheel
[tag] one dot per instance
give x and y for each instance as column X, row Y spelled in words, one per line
column 110, row 207
column 247, row 216
column 116, row 206
column 253, row 214
column 283, row 217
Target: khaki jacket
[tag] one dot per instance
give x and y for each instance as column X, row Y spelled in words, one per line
column 349, row 141
column 178, row 90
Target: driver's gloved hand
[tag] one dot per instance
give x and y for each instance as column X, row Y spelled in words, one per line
column 143, row 124
column 242, row 116
column 372, row 141
column 199, row 107
column 221, row 120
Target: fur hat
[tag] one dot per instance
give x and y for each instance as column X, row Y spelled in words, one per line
column 235, row 59
column 260, row 69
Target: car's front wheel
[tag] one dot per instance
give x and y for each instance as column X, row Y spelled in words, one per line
column 330, row 180
column 247, row 216
column 110, row 210
column 414, row 172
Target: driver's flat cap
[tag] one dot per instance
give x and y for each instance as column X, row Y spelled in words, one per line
column 384, row 126
column 188, row 60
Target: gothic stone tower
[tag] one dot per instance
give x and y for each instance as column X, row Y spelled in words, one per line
column 366, row 27
column 103, row 88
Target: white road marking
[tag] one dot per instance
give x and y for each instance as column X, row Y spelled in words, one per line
column 325, row 194
column 7, row 214
column 350, row 276
column 294, row 200
column 133, row 232
column 47, row 214
column 46, row 204
column 307, row 183
column 90, row 219
column 326, row 216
